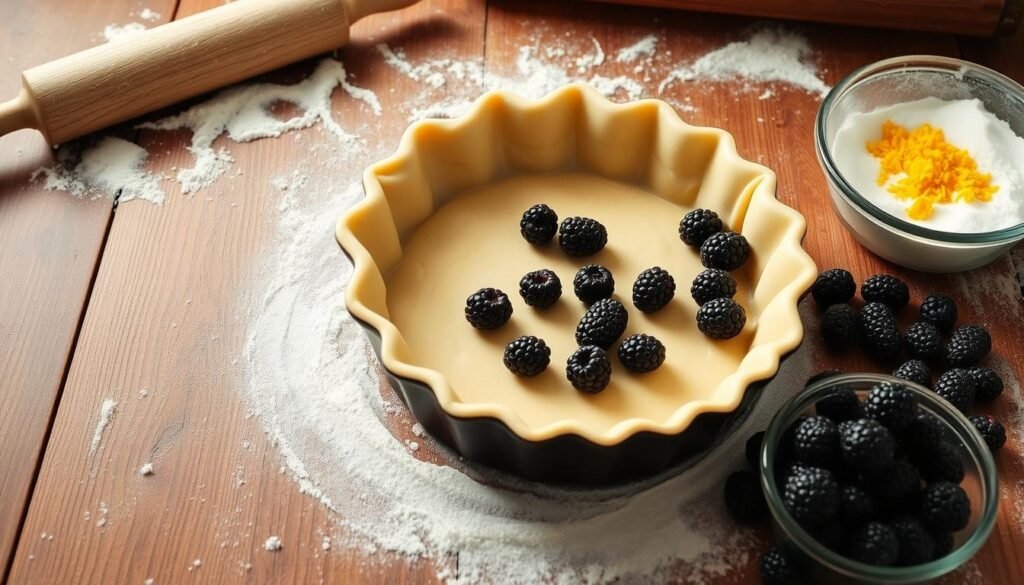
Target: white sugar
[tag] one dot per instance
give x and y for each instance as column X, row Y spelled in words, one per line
column 107, row 409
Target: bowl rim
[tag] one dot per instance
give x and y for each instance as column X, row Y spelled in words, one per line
column 364, row 265
column 896, row 65
column 987, row 470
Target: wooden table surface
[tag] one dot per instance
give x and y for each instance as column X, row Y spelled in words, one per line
column 98, row 302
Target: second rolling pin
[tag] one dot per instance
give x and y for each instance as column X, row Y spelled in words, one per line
column 120, row 80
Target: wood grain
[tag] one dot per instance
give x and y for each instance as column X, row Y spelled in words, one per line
column 162, row 315
column 51, row 245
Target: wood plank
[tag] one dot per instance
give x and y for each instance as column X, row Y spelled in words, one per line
column 162, row 318
column 51, row 244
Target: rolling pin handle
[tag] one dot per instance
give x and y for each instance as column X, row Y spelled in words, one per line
column 17, row 113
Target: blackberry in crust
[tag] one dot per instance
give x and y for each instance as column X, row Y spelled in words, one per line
column 641, row 353
column 488, row 308
column 839, row 326
column 945, row 507
column 712, row 284
column 832, row 287
column 917, row 546
column 855, row 504
column 653, row 289
column 914, row 371
column 540, row 289
column 886, row 289
column 602, row 324
column 924, row 341
column 539, row 224
column 840, row 404
column 527, row 356
column 699, row 225
column 874, row 543
column 891, row 404
column 991, row 430
column 939, row 310
column 967, row 346
column 744, row 497
column 721, row 319
column 816, row 442
column 592, row 283
column 879, row 331
column 866, row 445
column 588, row 369
column 987, row 384
column 582, row 236
column 725, row 251
column 957, row 387
column 812, row 496
column 779, row 567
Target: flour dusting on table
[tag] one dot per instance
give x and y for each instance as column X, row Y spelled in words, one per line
column 106, row 415
column 120, row 32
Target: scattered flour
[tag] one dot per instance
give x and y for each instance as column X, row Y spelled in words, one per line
column 645, row 47
column 146, row 469
column 113, row 166
column 106, row 415
column 119, row 32
column 587, row 62
column 273, row 544
column 770, row 54
column 147, row 14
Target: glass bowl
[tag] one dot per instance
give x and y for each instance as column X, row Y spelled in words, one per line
column 903, row 79
column 980, row 482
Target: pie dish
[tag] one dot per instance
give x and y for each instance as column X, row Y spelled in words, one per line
column 441, row 219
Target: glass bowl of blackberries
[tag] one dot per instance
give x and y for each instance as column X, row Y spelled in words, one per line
column 873, row 479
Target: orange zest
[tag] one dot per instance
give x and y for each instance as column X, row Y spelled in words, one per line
column 933, row 170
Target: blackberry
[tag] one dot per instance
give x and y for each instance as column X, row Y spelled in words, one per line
column 957, row 387
column 839, row 326
column 943, row 544
column 582, row 236
column 540, row 288
column 641, row 353
column 698, row 225
column 891, row 404
column 987, row 384
column 856, row 505
column 894, row 485
column 945, row 507
column 887, row 289
column 744, row 497
column 592, row 283
column 866, row 445
column 653, row 289
column 752, row 451
column 874, row 543
column 712, row 284
column 923, row 341
column 589, row 369
column 816, row 442
column 917, row 546
column 967, row 345
column 780, row 567
column 941, row 463
column 488, row 308
column 924, row 432
column 721, row 319
column 840, row 404
column 991, row 430
column 725, row 251
column 602, row 324
column 914, row 371
column 939, row 310
column 539, row 224
column 879, row 332
column 527, row 356
column 832, row 287
column 812, row 496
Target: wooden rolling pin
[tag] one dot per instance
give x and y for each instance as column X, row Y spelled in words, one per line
column 120, row 80
column 964, row 17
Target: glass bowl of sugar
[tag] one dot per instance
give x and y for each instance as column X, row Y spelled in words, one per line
column 924, row 157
